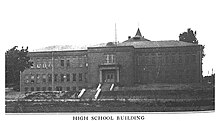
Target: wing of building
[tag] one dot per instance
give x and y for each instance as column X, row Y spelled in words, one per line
column 134, row 61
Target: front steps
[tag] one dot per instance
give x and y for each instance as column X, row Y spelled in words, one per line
column 94, row 93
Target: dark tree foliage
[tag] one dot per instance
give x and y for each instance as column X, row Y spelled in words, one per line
column 188, row 36
column 16, row 61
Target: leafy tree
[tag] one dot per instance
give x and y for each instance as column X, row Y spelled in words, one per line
column 16, row 61
column 189, row 36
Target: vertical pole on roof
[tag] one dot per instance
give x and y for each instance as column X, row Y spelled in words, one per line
column 115, row 35
column 52, row 71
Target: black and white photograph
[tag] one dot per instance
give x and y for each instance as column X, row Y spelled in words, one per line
column 109, row 60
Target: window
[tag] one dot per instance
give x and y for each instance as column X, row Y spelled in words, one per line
column 44, row 64
column 67, row 88
column 32, row 78
column 81, row 61
column 74, row 77
column 62, row 77
column 44, row 78
column 49, row 88
column 49, row 77
column 43, row 88
column 33, row 64
column 160, row 61
column 38, row 88
column 187, row 59
column 80, row 76
column 153, row 60
column 146, row 60
column 167, row 59
column 85, row 77
column 37, row 78
column 173, row 59
column 67, row 77
column 26, row 89
column 58, row 88
column 32, row 88
column 67, row 63
column 74, row 62
column 49, row 63
column 110, row 58
column 26, row 79
column 74, row 88
column 193, row 58
column 55, row 77
column 180, row 59
column 62, row 63
column 38, row 63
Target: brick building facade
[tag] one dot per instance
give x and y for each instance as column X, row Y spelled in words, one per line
column 134, row 61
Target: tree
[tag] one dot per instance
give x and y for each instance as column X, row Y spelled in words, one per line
column 188, row 36
column 16, row 61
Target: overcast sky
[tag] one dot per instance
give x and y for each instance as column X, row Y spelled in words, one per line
column 42, row 23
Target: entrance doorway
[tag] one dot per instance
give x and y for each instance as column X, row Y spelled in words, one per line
column 109, row 74
column 110, row 77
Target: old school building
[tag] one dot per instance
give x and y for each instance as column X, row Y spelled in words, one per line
column 134, row 61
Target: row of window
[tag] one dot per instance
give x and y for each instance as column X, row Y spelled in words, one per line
column 57, row 88
column 145, row 60
column 47, row 63
column 43, row 78
column 169, row 74
column 109, row 58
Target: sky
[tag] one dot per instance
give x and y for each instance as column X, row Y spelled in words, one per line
column 43, row 23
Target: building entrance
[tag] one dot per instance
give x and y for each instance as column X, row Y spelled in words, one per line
column 109, row 76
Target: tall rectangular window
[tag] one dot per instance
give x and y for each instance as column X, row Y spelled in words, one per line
column 26, row 80
column 187, row 59
column 173, row 59
column 85, row 77
column 180, row 59
column 67, row 63
column 80, row 76
column 146, row 60
column 67, row 88
column 38, row 63
column 160, row 61
column 167, row 59
column 32, row 78
column 26, row 89
column 110, row 58
column 32, row 88
column 193, row 58
column 49, row 63
column 62, row 77
column 153, row 60
column 44, row 63
column 49, row 88
column 49, row 77
column 62, row 63
column 37, row 78
column 67, row 77
column 43, row 88
column 74, row 77
column 38, row 89
column 55, row 77
column 44, row 78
